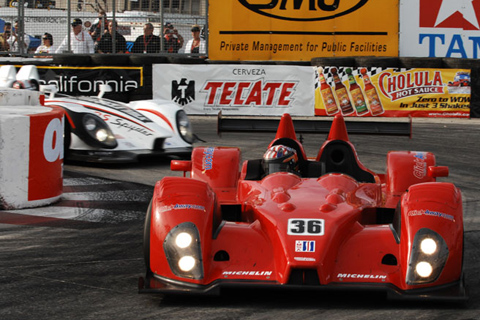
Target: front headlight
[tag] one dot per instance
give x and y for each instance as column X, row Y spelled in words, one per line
column 98, row 132
column 184, row 126
column 428, row 257
column 183, row 252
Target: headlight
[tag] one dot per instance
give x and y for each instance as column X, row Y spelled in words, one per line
column 186, row 263
column 183, row 252
column 98, row 134
column 184, row 126
column 428, row 246
column 183, row 240
column 428, row 257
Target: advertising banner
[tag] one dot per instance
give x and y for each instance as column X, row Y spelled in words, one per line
column 45, row 178
column 392, row 92
column 86, row 80
column 297, row 30
column 440, row 28
column 236, row 89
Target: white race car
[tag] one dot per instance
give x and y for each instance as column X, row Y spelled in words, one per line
column 104, row 130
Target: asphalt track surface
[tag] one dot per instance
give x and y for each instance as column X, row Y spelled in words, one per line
column 81, row 257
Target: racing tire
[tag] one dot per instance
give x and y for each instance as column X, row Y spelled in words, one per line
column 146, row 240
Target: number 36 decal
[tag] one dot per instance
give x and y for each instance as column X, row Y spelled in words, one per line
column 306, row 227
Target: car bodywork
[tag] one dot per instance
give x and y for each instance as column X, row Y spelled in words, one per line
column 141, row 128
column 337, row 225
column 104, row 130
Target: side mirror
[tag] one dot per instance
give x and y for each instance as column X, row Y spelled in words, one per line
column 440, row 171
column 181, row 165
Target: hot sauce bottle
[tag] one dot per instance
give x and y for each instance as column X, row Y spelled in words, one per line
column 357, row 94
column 327, row 94
column 342, row 94
column 373, row 100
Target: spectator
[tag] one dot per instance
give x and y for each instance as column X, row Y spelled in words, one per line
column 26, row 37
column 7, row 33
column 80, row 40
column 3, row 46
column 172, row 40
column 99, row 28
column 13, row 39
column 148, row 43
column 105, row 45
column 46, row 46
column 195, row 45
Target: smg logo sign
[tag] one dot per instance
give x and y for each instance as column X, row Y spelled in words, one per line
column 303, row 10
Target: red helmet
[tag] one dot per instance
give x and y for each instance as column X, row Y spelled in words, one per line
column 280, row 158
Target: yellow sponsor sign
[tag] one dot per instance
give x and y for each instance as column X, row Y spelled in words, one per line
column 393, row 93
column 299, row 30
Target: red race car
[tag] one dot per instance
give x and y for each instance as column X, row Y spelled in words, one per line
column 288, row 221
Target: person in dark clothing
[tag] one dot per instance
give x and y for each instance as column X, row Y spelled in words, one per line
column 98, row 29
column 148, row 42
column 105, row 45
column 172, row 40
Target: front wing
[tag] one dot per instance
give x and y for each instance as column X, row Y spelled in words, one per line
column 452, row 292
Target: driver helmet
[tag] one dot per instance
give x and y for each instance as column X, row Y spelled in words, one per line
column 30, row 84
column 280, row 158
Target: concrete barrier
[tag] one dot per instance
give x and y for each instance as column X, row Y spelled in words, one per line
column 31, row 150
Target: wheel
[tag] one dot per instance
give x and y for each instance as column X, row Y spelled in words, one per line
column 146, row 241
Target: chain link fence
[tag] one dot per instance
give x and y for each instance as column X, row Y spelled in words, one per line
column 44, row 28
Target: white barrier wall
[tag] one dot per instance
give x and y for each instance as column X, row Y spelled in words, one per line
column 31, row 150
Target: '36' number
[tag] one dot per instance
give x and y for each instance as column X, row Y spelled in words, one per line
column 310, row 227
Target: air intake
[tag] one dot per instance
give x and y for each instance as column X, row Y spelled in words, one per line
column 307, row 277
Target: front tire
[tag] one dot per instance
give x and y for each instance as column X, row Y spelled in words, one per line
column 146, row 241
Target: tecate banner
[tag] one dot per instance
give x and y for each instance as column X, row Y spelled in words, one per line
column 236, row 89
column 440, row 28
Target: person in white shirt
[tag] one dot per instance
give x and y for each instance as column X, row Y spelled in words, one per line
column 197, row 44
column 80, row 40
column 14, row 39
column 46, row 47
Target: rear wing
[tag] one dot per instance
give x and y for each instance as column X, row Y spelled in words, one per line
column 382, row 126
